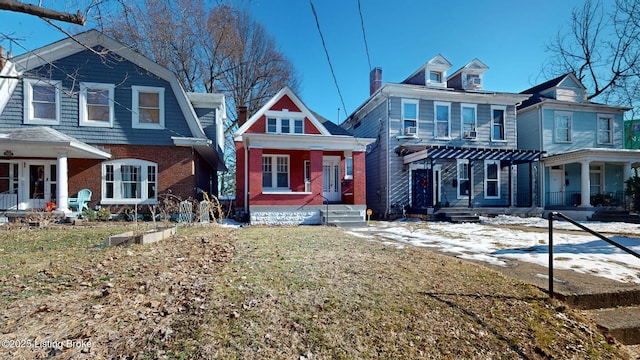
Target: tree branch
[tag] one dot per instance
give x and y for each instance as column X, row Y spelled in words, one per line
column 42, row 12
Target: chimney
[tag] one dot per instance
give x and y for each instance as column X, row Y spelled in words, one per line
column 242, row 115
column 375, row 80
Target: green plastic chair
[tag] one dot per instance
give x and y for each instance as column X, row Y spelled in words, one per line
column 81, row 202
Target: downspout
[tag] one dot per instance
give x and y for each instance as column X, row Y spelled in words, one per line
column 388, row 140
column 541, row 170
column 246, row 179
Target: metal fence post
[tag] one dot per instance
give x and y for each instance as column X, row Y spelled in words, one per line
column 551, row 214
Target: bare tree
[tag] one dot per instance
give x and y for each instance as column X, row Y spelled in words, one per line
column 217, row 48
column 42, row 12
column 602, row 47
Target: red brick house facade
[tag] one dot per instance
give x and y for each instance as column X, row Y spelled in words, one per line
column 293, row 166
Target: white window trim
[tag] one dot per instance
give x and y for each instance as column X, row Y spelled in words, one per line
column 292, row 125
column 28, row 104
column 459, row 180
column 555, row 126
column 475, row 119
column 83, row 104
column 285, row 114
column 486, row 180
column 135, row 116
column 504, row 124
column 117, row 179
column 435, row 120
column 274, row 174
column 402, row 117
column 610, row 118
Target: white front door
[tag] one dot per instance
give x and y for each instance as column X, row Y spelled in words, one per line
column 556, row 188
column 38, row 185
column 331, row 178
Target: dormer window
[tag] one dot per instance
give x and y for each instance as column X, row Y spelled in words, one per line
column 435, row 76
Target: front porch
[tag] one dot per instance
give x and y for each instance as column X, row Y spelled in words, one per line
column 34, row 167
column 587, row 180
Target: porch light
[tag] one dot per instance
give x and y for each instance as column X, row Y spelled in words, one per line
column 8, row 153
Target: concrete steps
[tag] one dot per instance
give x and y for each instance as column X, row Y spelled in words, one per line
column 606, row 215
column 343, row 217
column 623, row 323
column 454, row 215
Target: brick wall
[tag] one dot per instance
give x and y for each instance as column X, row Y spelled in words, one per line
column 176, row 170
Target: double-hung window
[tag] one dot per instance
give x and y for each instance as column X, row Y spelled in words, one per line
column 41, row 102
column 275, row 172
column 442, row 121
column 276, row 125
column 498, row 114
column 410, row 117
column 464, row 179
column 148, row 107
column 562, row 126
column 96, row 104
column 605, row 129
column 469, row 112
column 492, row 179
column 129, row 181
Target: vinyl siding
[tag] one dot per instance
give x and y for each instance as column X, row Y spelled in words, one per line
column 110, row 69
column 584, row 132
column 374, row 125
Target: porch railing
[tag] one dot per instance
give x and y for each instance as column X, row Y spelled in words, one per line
column 574, row 198
column 9, row 200
column 597, row 234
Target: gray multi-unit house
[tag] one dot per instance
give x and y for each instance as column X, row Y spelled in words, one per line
column 585, row 164
column 441, row 141
column 90, row 113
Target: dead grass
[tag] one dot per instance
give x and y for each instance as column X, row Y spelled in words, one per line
column 271, row 293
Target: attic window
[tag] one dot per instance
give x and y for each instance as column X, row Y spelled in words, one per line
column 285, row 126
column 435, row 76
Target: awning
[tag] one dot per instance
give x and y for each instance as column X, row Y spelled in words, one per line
column 45, row 142
column 411, row 154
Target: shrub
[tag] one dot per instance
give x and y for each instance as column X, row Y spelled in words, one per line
column 104, row 214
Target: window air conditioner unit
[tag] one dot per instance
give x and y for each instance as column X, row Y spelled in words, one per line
column 474, row 82
column 470, row 134
column 410, row 131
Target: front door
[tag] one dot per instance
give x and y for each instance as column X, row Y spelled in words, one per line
column 331, row 178
column 39, row 185
column 556, row 188
column 421, row 189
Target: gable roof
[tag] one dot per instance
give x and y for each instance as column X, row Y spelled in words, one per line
column 286, row 91
column 474, row 66
column 551, row 84
column 438, row 63
column 91, row 38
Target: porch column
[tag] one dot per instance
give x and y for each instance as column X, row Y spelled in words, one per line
column 359, row 178
column 585, row 185
column 626, row 173
column 62, row 177
column 316, row 176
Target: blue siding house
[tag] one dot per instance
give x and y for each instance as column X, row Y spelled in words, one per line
column 442, row 142
column 89, row 112
column 585, row 164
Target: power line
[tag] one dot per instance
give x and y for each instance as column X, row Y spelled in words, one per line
column 315, row 15
column 366, row 47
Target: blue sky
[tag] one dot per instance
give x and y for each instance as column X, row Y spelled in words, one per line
column 508, row 36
